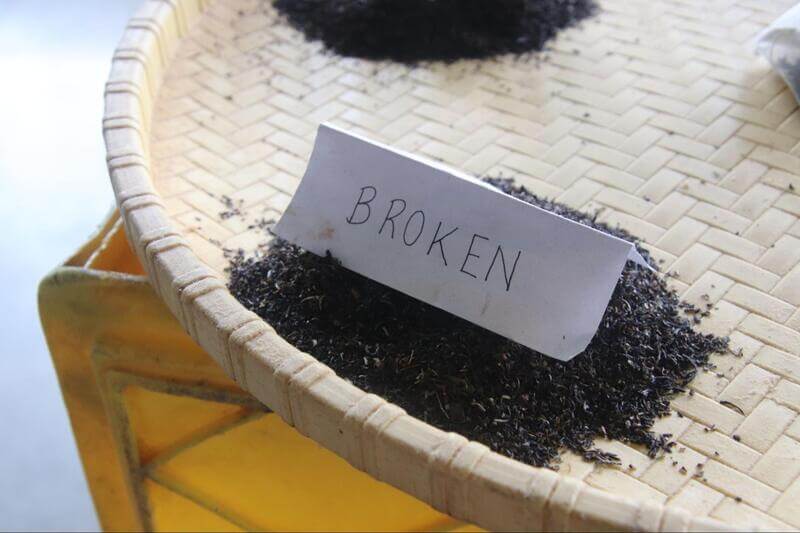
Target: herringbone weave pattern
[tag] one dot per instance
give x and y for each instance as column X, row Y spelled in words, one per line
column 655, row 112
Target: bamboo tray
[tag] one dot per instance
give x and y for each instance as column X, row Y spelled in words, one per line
column 655, row 111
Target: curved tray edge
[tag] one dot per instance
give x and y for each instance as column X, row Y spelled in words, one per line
column 456, row 476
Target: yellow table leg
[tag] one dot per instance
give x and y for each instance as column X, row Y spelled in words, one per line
column 167, row 440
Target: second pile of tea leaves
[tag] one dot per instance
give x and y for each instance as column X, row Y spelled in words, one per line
column 460, row 377
column 410, row 31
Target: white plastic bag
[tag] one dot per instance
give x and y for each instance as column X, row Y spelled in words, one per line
column 780, row 45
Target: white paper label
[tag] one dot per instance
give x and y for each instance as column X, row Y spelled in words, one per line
column 456, row 243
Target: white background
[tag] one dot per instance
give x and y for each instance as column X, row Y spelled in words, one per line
column 54, row 58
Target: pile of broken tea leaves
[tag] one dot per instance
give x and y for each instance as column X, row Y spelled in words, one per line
column 460, row 377
column 410, row 31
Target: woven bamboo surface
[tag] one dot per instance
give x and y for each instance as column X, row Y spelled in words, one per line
column 654, row 111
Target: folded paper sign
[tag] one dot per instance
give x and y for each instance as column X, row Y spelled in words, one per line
column 455, row 242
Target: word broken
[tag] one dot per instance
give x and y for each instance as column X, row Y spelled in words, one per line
column 414, row 227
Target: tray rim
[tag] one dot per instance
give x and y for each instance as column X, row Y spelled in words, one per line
column 462, row 478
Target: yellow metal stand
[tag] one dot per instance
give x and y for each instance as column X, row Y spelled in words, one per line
column 168, row 441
